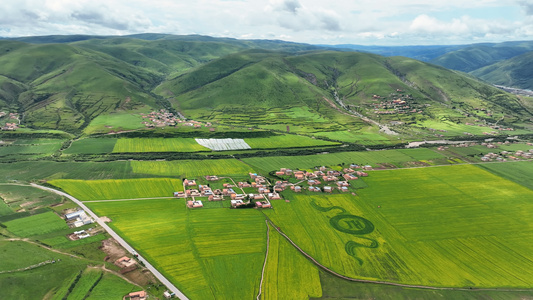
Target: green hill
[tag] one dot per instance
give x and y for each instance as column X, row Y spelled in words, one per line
column 514, row 72
column 266, row 84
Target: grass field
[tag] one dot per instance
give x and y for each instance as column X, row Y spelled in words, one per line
column 25, row 197
column 191, row 168
column 286, row 141
column 114, row 122
column 91, row 145
column 35, row 225
column 520, row 172
column 36, row 147
column 194, row 248
column 432, row 229
column 49, row 170
column 119, row 189
column 370, row 157
column 288, row 274
column 158, row 145
column 421, row 153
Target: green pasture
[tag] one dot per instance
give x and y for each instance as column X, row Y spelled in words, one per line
column 195, row 249
column 111, row 286
column 119, row 188
column 158, row 145
column 191, row 168
column 89, row 277
column 114, row 122
column 36, row 224
column 286, row 141
column 18, row 197
column 421, row 153
column 302, row 162
column 47, row 147
column 91, row 145
column 520, row 172
column 288, row 274
column 49, row 170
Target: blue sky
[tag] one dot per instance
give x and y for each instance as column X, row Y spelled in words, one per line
column 367, row 22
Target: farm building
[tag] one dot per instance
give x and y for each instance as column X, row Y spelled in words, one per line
column 78, row 218
column 235, row 203
column 125, row 262
column 349, row 177
column 296, row 188
column 215, row 198
column 274, row 196
column 195, row 204
column 211, row 178
column 136, row 296
column 179, row 194
column 328, row 189
column 187, row 182
column 263, row 204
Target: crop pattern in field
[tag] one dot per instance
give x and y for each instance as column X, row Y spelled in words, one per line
column 286, row 141
column 37, row 224
column 191, row 168
column 457, row 226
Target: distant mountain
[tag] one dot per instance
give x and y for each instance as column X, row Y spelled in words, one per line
column 514, row 72
column 423, row 53
column 67, row 82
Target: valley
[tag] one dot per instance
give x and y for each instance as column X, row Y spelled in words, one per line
column 239, row 169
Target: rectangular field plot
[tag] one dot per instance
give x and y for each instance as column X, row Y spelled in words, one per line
column 89, row 146
column 35, row 225
column 194, row 248
column 520, row 171
column 158, row 145
column 286, row 141
column 224, row 144
column 191, row 168
column 119, row 188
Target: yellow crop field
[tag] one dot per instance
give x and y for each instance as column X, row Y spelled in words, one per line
column 191, row 168
column 110, row 189
column 158, row 145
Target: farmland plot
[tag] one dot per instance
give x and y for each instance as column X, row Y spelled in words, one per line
column 224, row 144
column 158, row 145
column 195, row 249
column 286, row 141
column 120, row 188
column 35, row 225
column 191, row 168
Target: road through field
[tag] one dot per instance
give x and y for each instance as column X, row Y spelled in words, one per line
column 119, row 239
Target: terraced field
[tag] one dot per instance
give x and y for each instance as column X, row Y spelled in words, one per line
column 191, row 168
column 194, row 248
column 432, row 229
column 158, row 145
column 119, row 189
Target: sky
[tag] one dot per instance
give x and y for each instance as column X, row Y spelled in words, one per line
column 363, row 22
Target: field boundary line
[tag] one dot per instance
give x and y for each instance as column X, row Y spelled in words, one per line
column 120, row 240
column 387, row 282
column 266, row 257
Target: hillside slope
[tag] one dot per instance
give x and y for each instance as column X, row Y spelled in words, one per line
column 514, row 72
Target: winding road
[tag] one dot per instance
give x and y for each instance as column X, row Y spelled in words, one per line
column 120, row 240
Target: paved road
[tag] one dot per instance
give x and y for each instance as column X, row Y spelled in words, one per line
column 121, row 241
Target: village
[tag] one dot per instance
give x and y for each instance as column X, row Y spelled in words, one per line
column 10, row 126
column 258, row 191
column 491, row 156
column 163, row 118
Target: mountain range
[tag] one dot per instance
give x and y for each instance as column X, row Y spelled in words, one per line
column 66, row 82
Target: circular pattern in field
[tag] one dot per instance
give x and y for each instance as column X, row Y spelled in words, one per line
column 351, row 224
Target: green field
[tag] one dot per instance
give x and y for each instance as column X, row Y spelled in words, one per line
column 432, row 229
column 114, row 122
column 35, row 147
column 35, row 225
column 25, row 198
column 369, row 157
column 191, row 168
column 194, row 248
column 91, row 145
column 520, row 171
column 288, row 274
column 119, row 189
column 286, row 141
column 158, row 145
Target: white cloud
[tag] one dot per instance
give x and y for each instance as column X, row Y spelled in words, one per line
column 311, row 21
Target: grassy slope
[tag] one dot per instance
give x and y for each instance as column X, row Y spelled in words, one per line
column 515, row 72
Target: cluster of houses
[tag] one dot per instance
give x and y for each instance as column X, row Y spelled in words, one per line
column 141, row 295
column 505, row 155
column 9, row 126
column 398, row 105
column 163, row 118
column 314, row 179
